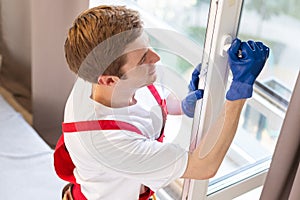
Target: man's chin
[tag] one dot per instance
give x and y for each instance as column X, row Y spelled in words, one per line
column 153, row 79
column 150, row 81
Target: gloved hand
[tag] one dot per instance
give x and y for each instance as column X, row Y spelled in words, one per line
column 245, row 68
column 188, row 104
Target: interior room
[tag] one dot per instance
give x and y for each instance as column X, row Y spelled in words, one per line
column 262, row 161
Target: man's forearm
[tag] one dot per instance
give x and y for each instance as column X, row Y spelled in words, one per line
column 205, row 160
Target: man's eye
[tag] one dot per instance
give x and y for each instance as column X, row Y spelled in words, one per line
column 143, row 60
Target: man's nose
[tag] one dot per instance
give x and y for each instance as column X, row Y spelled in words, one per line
column 154, row 57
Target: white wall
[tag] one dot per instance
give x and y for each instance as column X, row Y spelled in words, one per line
column 51, row 78
column 32, row 35
column 15, row 44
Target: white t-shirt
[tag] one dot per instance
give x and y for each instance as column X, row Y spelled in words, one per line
column 112, row 164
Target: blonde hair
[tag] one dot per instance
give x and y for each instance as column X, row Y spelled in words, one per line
column 101, row 34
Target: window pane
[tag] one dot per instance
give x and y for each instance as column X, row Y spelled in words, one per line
column 191, row 21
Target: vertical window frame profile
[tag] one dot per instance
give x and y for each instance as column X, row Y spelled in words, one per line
column 224, row 16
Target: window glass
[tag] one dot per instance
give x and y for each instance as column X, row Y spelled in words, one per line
column 191, row 21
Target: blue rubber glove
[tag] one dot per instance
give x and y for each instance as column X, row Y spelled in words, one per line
column 245, row 68
column 188, row 104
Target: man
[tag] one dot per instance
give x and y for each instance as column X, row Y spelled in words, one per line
column 111, row 131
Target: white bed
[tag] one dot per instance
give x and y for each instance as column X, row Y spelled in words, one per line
column 26, row 161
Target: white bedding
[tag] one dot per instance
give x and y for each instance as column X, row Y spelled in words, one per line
column 26, row 161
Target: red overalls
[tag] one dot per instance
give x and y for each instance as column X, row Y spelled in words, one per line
column 62, row 161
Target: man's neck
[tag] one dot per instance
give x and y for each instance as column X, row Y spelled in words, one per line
column 113, row 97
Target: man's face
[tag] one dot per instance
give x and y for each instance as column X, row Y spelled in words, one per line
column 140, row 69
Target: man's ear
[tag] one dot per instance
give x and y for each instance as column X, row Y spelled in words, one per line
column 108, row 80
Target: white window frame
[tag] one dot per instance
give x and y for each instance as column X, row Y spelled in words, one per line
column 240, row 181
column 223, row 21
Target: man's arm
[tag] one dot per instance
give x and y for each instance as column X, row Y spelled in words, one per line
column 246, row 60
column 206, row 167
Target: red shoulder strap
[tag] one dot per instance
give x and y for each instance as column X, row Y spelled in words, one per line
column 160, row 101
column 155, row 94
column 98, row 125
column 163, row 106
